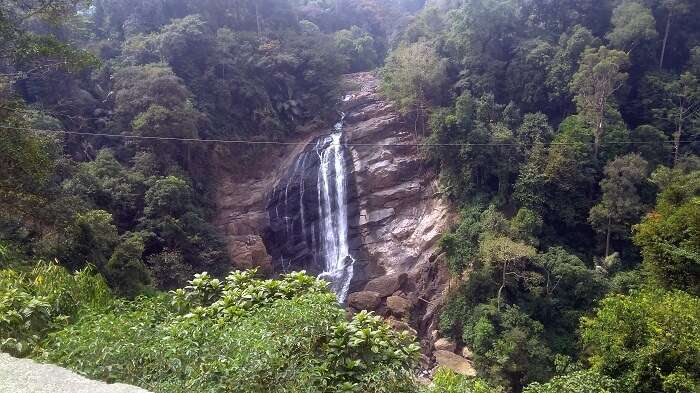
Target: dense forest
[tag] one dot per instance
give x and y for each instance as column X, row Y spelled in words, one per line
column 565, row 133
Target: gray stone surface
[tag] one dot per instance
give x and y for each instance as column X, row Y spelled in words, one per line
column 28, row 376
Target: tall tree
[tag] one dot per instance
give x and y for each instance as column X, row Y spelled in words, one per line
column 25, row 52
column 413, row 77
column 564, row 64
column 125, row 270
column 620, row 205
column 669, row 237
column 673, row 8
column 599, row 76
column 633, row 23
column 508, row 256
column 682, row 107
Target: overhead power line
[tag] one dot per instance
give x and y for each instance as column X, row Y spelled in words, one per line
column 249, row 142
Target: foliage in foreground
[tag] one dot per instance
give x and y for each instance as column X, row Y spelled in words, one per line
column 43, row 299
column 577, row 382
column 243, row 334
column 447, row 381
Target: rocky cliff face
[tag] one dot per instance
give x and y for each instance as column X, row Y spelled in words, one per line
column 400, row 216
column 395, row 218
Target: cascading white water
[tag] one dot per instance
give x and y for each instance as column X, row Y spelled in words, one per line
column 311, row 231
column 333, row 213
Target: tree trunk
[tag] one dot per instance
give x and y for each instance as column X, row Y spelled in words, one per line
column 596, row 140
column 677, row 143
column 189, row 156
column 257, row 19
column 663, row 46
column 420, row 111
column 599, row 129
column 607, row 239
column 503, row 284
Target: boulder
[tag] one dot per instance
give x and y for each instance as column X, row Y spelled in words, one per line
column 248, row 251
column 401, row 326
column 467, row 353
column 455, row 363
column 386, row 285
column 365, row 300
column 399, row 306
column 445, row 344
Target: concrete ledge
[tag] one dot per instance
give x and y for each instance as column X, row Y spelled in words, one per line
column 28, row 376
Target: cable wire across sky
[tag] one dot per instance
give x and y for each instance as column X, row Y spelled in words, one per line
column 283, row 143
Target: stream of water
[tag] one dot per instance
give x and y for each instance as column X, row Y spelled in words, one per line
column 309, row 211
column 333, row 212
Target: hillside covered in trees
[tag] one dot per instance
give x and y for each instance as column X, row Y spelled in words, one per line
column 565, row 134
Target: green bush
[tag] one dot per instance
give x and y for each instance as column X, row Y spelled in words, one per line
column 44, row 299
column 241, row 334
column 577, row 382
column 366, row 355
column 649, row 341
column 447, row 381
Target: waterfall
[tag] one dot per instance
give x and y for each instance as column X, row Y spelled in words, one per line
column 333, row 213
column 309, row 214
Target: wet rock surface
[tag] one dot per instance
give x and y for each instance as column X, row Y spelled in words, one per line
column 401, row 216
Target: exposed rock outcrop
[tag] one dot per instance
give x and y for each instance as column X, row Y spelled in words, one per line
column 445, row 344
column 455, row 363
column 399, row 306
column 401, row 217
column 364, row 300
column 386, row 285
column 467, row 353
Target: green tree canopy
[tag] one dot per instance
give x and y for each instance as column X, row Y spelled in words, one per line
column 669, row 236
column 649, row 341
column 599, row 76
column 413, row 78
column 620, row 205
column 633, row 24
column 576, row 382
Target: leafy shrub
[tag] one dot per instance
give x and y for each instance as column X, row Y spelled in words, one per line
column 366, row 355
column 207, row 297
column 577, row 382
column 461, row 245
column 669, row 237
column 649, row 341
column 357, row 47
column 242, row 334
column 44, row 299
column 447, row 381
column 508, row 345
